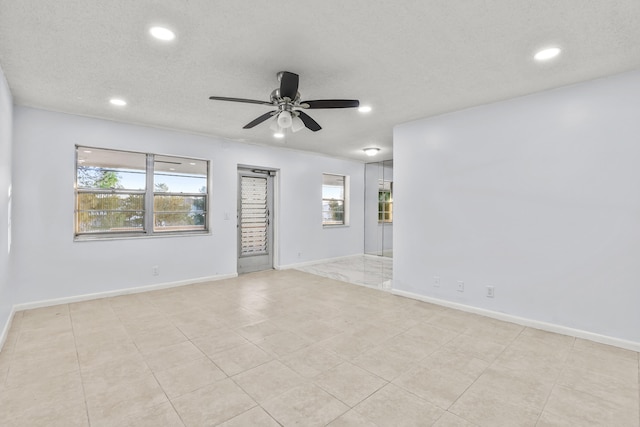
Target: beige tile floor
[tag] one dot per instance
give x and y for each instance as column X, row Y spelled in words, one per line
column 290, row 348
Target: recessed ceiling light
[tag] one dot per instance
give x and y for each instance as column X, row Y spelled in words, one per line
column 118, row 102
column 371, row 151
column 278, row 135
column 87, row 151
column 546, row 54
column 162, row 33
column 172, row 169
column 192, row 163
column 364, row 109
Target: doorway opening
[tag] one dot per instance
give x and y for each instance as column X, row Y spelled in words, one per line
column 255, row 219
column 378, row 211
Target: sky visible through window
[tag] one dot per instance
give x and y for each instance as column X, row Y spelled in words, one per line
column 176, row 183
column 181, row 183
column 332, row 192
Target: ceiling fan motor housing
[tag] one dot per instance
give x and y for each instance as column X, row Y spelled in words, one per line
column 277, row 99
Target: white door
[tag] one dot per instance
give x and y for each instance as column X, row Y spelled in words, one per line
column 255, row 211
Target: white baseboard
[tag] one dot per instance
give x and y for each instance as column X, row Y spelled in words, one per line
column 536, row 324
column 319, row 261
column 118, row 292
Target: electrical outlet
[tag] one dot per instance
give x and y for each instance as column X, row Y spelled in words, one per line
column 490, row 291
column 155, row 270
column 436, row 281
column 460, row 286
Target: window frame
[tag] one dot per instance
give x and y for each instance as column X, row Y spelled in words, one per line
column 149, row 193
column 344, row 200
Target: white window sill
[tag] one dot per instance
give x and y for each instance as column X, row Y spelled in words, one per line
column 102, row 238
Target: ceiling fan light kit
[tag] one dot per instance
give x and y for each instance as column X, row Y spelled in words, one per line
column 297, row 124
column 286, row 100
column 285, row 120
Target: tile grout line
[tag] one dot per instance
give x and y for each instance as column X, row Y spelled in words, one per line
column 145, row 361
column 230, row 377
column 555, row 381
column 362, row 400
column 75, row 342
column 187, row 339
column 483, row 371
column 586, row 391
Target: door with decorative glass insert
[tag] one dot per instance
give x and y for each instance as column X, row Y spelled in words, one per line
column 255, row 211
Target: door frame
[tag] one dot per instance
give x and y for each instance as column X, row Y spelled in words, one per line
column 275, row 210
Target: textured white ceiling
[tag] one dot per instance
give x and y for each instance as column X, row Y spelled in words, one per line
column 406, row 58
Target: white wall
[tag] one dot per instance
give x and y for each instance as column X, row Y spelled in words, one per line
column 538, row 196
column 49, row 264
column 6, row 110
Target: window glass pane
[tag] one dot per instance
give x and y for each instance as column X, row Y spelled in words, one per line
column 108, row 212
column 179, row 175
column 332, row 187
column 385, row 185
column 179, row 213
column 385, row 212
column 110, row 169
column 333, row 212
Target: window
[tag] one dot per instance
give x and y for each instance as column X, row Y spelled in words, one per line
column 121, row 193
column 333, row 199
column 385, row 201
column 110, row 191
column 180, row 194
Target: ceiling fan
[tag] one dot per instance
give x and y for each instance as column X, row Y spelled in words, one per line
column 288, row 106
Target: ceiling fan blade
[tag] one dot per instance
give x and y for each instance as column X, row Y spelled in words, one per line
column 308, row 121
column 332, row 103
column 289, row 85
column 259, row 120
column 248, row 101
